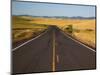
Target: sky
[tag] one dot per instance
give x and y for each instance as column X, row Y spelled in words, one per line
column 48, row 9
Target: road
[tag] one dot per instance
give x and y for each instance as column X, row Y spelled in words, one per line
column 52, row 51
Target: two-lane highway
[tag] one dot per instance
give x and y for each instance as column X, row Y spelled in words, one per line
column 52, row 51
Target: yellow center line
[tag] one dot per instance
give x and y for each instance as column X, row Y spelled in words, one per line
column 53, row 62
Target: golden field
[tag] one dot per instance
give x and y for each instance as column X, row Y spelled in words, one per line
column 63, row 22
column 87, row 37
column 22, row 29
column 86, row 28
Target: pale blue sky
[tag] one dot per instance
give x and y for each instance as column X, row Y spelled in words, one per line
column 47, row 9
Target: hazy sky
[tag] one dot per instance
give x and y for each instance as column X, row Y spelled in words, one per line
column 45, row 9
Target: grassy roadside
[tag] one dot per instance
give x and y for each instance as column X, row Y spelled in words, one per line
column 22, row 29
column 86, row 36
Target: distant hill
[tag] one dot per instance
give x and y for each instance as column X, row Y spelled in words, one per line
column 62, row 17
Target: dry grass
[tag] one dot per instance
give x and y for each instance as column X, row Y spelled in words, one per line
column 83, row 35
column 87, row 37
column 24, row 34
column 22, row 29
column 77, row 23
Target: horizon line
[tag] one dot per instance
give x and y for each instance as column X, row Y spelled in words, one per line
column 50, row 16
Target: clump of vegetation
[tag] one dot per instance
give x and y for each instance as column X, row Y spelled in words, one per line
column 89, row 30
column 24, row 34
column 76, row 30
column 69, row 29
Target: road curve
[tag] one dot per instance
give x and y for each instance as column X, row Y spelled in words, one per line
column 52, row 51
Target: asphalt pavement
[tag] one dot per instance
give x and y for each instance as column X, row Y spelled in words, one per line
column 52, row 51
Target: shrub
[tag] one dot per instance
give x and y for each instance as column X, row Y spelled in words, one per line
column 69, row 29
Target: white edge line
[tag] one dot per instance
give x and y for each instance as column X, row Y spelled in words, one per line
column 28, row 41
column 79, row 42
